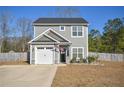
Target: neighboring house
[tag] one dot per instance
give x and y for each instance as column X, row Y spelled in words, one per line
column 58, row 40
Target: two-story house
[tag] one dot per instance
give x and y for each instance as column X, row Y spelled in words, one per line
column 58, row 40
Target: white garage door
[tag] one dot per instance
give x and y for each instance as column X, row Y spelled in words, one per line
column 44, row 55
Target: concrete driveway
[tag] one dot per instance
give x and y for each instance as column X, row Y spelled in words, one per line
column 27, row 75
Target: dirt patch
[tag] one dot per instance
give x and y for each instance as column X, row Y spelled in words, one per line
column 109, row 74
column 14, row 63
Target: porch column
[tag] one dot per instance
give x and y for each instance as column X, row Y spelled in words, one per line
column 30, row 54
column 67, row 56
column 58, row 54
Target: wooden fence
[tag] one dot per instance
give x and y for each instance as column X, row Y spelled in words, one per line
column 108, row 56
column 24, row 56
column 8, row 57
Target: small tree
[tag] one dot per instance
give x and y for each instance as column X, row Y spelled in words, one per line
column 94, row 39
column 110, row 36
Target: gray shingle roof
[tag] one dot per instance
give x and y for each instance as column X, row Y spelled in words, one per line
column 60, row 20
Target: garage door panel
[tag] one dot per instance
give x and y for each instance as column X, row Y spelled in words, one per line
column 44, row 56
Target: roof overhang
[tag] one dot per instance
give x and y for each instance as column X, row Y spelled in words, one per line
column 56, row 24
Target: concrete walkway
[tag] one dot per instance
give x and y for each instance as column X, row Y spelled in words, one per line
column 27, row 75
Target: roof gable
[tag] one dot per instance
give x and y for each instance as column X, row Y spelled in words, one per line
column 50, row 36
column 56, row 36
column 44, row 38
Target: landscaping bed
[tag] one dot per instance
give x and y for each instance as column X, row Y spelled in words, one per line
column 107, row 74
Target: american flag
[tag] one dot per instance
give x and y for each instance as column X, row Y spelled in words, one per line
column 61, row 49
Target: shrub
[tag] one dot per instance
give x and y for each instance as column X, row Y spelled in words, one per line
column 92, row 59
column 89, row 59
column 83, row 60
column 73, row 60
column 97, row 57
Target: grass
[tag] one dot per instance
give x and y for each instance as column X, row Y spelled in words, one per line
column 14, row 63
column 109, row 74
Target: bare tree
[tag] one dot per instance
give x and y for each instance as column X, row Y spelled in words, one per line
column 5, row 21
column 67, row 12
column 25, row 28
column 15, row 40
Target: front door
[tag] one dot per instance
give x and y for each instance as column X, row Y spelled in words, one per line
column 63, row 55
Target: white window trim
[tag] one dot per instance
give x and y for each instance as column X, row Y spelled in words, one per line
column 60, row 28
column 77, row 31
column 77, row 51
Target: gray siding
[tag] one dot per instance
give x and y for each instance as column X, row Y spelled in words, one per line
column 66, row 33
column 76, row 42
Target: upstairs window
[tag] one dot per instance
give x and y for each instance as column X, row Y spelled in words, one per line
column 77, row 31
column 74, row 30
column 62, row 28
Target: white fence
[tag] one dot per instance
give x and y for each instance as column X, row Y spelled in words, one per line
column 108, row 56
column 5, row 57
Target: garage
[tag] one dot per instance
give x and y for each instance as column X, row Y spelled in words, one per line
column 44, row 55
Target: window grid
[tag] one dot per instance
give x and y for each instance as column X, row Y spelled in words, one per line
column 62, row 28
column 77, row 52
column 77, row 31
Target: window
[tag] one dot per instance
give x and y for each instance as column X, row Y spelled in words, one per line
column 78, row 52
column 74, row 29
column 77, row 31
column 49, row 47
column 74, row 52
column 62, row 28
column 40, row 47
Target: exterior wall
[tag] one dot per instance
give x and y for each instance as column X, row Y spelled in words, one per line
column 76, row 42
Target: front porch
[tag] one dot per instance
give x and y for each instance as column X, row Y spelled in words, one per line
column 63, row 54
